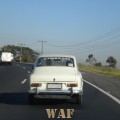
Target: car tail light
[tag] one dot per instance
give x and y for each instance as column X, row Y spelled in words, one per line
column 36, row 84
column 72, row 85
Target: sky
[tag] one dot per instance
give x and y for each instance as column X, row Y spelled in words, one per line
column 77, row 27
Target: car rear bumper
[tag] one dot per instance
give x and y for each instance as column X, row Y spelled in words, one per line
column 56, row 92
column 60, row 94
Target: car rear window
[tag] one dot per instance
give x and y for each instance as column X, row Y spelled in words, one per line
column 55, row 61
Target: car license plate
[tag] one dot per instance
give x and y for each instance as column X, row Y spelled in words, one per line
column 54, row 86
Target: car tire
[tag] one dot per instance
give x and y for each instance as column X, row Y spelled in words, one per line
column 79, row 99
column 31, row 99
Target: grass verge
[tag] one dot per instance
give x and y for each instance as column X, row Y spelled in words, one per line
column 102, row 70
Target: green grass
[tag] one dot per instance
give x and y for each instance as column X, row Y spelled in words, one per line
column 102, row 70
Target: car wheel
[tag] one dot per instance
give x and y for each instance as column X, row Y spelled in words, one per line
column 79, row 99
column 31, row 99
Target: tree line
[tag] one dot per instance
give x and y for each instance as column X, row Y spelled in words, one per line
column 93, row 61
column 29, row 55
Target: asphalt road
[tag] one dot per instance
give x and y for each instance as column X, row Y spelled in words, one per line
column 108, row 84
column 14, row 103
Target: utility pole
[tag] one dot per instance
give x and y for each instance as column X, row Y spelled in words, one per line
column 42, row 45
column 21, row 51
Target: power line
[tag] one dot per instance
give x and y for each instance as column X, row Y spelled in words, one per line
column 32, row 43
column 37, row 42
column 97, row 44
column 99, row 47
column 114, row 31
column 101, row 44
column 107, row 41
column 94, row 46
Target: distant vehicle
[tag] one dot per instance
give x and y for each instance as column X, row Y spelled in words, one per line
column 6, row 57
column 55, row 77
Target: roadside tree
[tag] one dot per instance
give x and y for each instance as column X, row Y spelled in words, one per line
column 91, row 59
column 111, row 61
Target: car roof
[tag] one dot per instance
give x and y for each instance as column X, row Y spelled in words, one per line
column 56, row 55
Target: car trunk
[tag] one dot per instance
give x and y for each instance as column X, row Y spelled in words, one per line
column 54, row 74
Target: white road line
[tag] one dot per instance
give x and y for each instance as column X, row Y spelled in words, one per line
column 23, row 81
column 24, row 67
column 101, row 90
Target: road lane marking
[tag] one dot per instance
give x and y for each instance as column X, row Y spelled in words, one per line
column 23, row 67
column 101, row 90
column 23, row 81
column 108, row 92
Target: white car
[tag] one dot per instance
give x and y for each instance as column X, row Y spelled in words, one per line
column 6, row 57
column 55, row 77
